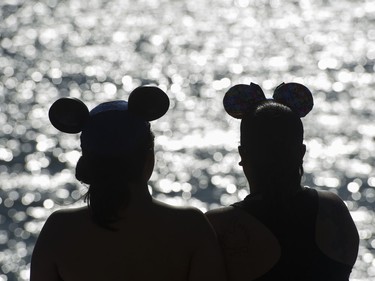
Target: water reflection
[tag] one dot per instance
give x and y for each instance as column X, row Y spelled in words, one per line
column 101, row 50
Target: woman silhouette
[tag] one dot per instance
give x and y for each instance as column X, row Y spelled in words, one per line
column 281, row 231
column 123, row 233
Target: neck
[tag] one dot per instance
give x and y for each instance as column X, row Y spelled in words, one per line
column 254, row 186
column 139, row 194
column 259, row 186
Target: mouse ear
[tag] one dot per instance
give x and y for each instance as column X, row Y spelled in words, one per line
column 68, row 115
column 241, row 98
column 296, row 96
column 149, row 102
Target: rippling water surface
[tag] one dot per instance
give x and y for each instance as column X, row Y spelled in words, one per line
column 195, row 50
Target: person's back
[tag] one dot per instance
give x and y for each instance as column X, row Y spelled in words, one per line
column 281, row 231
column 153, row 242
column 315, row 240
column 122, row 233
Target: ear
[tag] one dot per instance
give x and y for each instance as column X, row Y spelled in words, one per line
column 303, row 152
column 68, row 115
column 148, row 102
column 240, row 152
column 241, row 98
column 296, row 96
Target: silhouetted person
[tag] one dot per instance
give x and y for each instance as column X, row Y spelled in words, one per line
column 123, row 233
column 281, row 231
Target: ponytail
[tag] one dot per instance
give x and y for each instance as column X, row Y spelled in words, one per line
column 108, row 180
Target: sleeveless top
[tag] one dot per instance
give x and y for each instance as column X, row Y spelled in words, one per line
column 301, row 258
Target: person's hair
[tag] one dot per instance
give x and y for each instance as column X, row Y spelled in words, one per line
column 271, row 141
column 108, row 179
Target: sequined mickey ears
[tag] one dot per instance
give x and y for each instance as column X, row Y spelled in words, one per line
column 69, row 115
column 296, row 96
column 241, row 98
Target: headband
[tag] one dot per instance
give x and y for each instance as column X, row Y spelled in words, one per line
column 241, row 99
column 111, row 128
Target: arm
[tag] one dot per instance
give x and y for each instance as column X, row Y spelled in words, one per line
column 336, row 233
column 207, row 261
column 43, row 265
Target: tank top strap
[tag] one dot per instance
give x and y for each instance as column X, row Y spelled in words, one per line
column 303, row 210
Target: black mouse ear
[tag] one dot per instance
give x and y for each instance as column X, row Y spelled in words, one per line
column 241, row 98
column 68, row 115
column 296, row 96
column 148, row 102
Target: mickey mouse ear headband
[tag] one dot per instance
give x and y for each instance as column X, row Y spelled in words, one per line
column 241, row 99
column 151, row 103
column 70, row 115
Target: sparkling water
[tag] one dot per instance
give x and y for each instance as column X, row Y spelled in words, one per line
column 194, row 50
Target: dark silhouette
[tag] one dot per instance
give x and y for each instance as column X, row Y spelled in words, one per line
column 281, row 231
column 123, row 233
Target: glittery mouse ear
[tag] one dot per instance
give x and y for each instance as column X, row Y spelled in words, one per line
column 68, row 115
column 241, row 98
column 148, row 102
column 296, row 96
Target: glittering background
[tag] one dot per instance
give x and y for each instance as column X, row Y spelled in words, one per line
column 195, row 50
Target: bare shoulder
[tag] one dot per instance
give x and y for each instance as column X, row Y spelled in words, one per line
column 178, row 211
column 62, row 223
column 230, row 221
column 187, row 216
column 225, row 217
column 332, row 207
column 250, row 249
column 221, row 217
column 331, row 199
column 69, row 213
column 67, row 217
column 336, row 233
column 51, row 241
column 220, row 212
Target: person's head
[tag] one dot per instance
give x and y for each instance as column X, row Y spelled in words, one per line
column 271, row 145
column 117, row 146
